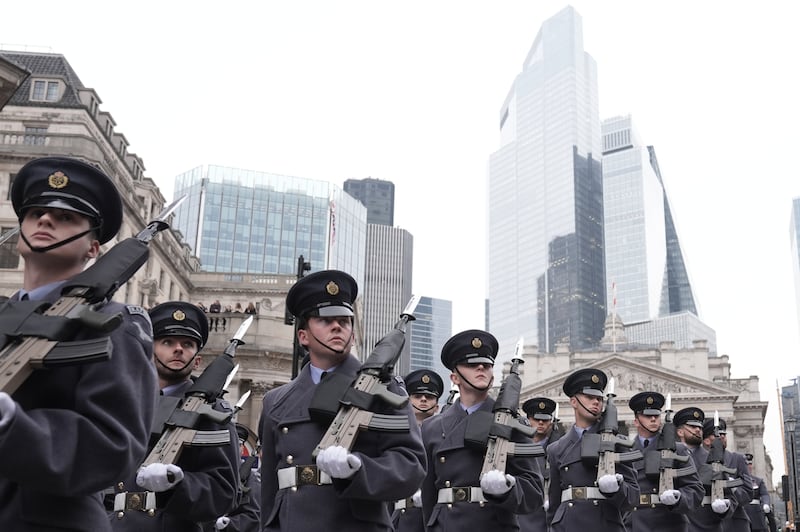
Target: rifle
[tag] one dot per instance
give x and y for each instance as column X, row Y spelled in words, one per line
column 356, row 400
column 603, row 446
column 36, row 334
column 183, row 416
column 720, row 478
column 451, row 398
column 666, row 462
column 505, row 421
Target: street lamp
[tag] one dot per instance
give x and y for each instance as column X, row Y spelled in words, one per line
column 791, row 424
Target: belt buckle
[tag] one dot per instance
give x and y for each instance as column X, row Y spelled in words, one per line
column 644, row 499
column 307, row 475
column 138, row 501
column 461, row 494
column 579, row 494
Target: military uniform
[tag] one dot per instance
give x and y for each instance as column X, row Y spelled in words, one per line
column 452, row 498
column 295, row 493
column 211, row 476
column 740, row 496
column 755, row 509
column 650, row 514
column 704, row 518
column 407, row 514
column 540, row 408
column 575, row 501
column 246, row 516
column 75, row 429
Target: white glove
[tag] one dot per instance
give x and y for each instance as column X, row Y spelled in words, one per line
column 720, row 506
column 417, row 499
column 156, row 477
column 7, row 410
column 670, row 497
column 337, row 462
column 609, row 483
column 496, row 483
column 222, row 522
column 766, row 508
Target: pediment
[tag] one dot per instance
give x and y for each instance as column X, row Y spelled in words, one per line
column 632, row 377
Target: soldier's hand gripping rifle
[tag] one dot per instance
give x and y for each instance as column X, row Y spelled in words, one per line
column 505, row 422
column 721, row 476
column 178, row 419
column 36, row 334
column 604, row 445
column 665, row 461
column 355, row 401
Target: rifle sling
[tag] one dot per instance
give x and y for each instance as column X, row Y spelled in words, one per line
column 336, row 390
column 101, row 280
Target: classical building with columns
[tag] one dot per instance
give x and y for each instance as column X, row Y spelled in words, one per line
column 691, row 376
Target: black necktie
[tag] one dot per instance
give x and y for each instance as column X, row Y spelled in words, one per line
column 646, row 443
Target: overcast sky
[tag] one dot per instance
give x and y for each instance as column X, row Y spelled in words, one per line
column 411, row 92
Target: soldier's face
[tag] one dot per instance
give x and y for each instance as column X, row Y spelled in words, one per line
column 176, row 356
column 328, row 339
column 689, row 434
column 651, row 424
column 541, row 426
column 424, row 404
column 44, row 226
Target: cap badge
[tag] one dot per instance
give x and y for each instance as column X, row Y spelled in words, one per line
column 178, row 315
column 541, row 405
column 696, row 414
column 476, row 343
column 332, row 288
column 426, row 379
column 650, row 400
column 595, row 379
column 57, row 180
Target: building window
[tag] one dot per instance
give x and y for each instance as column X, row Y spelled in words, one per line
column 9, row 256
column 45, row 91
column 35, row 136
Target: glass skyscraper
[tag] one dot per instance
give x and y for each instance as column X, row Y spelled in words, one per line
column 255, row 222
column 429, row 332
column 794, row 231
column 546, row 277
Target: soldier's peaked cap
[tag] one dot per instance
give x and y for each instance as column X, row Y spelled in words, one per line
column 588, row 381
column 689, row 416
column 424, row 381
column 179, row 318
column 327, row 293
column 539, row 408
column 469, row 347
column 72, row 185
column 647, row 403
column 708, row 427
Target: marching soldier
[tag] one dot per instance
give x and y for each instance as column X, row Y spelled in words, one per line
column 760, row 508
column 540, row 412
column 424, row 389
column 203, row 484
column 739, row 522
column 68, row 432
column 689, row 423
column 578, row 500
column 660, row 511
column 341, row 489
column 454, row 495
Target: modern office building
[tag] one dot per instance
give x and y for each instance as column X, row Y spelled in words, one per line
column 546, row 278
column 644, row 261
column 683, row 329
column 387, row 285
column 429, row 332
column 376, row 195
column 790, row 409
column 244, row 221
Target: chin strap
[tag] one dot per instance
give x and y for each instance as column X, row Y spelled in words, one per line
column 42, row 249
column 479, row 389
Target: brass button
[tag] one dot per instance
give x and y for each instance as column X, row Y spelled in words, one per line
column 446, row 483
column 285, row 430
column 290, row 459
column 442, row 459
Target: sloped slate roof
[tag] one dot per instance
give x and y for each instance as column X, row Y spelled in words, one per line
column 45, row 65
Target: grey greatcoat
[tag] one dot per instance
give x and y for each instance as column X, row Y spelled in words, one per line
column 536, row 521
column 568, row 470
column 755, row 510
column 393, row 464
column 209, row 487
column 452, row 463
column 78, row 430
column 662, row 518
column 739, row 521
column 704, row 519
